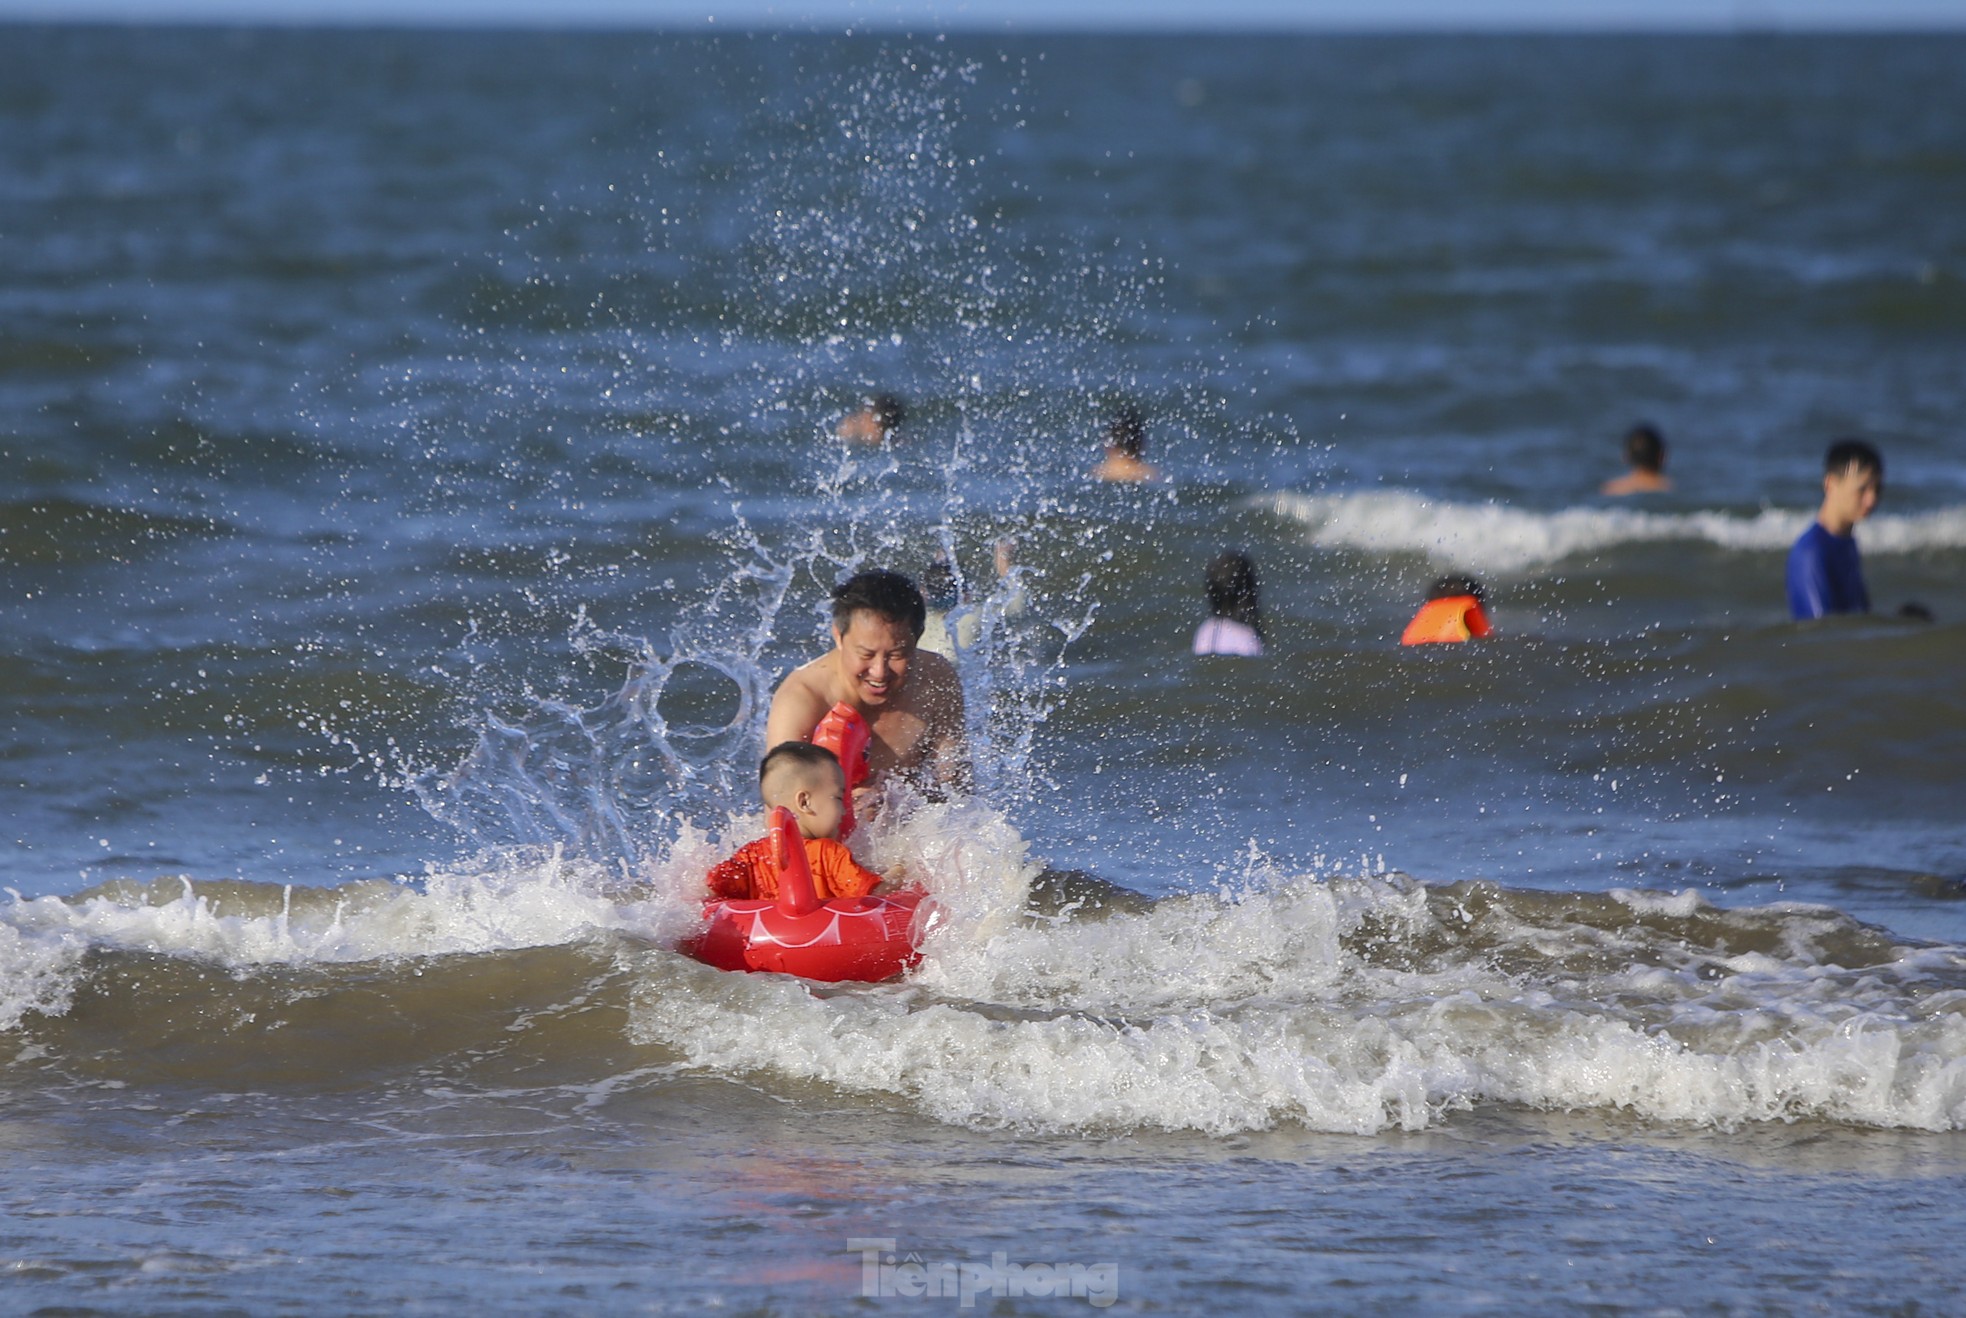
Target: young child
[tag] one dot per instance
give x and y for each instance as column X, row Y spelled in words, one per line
column 808, row 781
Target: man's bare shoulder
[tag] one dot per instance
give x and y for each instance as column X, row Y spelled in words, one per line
column 814, row 675
column 935, row 670
column 802, row 699
column 934, row 683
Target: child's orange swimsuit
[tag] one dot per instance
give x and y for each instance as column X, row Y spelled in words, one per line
column 750, row 873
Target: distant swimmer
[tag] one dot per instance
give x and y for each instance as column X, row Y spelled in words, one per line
column 1235, row 618
column 878, row 418
column 1824, row 573
column 1455, row 611
column 940, row 594
column 1126, row 441
column 910, row 698
column 1645, row 450
column 806, row 780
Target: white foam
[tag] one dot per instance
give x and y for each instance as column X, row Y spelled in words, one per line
column 500, row 906
column 37, row 973
column 1493, row 537
column 1343, row 1005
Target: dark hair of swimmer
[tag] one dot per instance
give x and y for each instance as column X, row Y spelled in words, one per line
column 889, row 594
column 939, row 585
column 1847, row 453
column 888, row 410
column 1645, row 448
column 802, row 753
column 1127, row 431
column 1447, row 588
column 1232, row 590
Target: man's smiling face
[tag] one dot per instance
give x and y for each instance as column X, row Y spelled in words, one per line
column 874, row 652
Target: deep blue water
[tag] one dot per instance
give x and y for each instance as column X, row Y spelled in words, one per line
column 422, row 469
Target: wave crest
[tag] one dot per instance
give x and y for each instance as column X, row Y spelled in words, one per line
column 1493, row 537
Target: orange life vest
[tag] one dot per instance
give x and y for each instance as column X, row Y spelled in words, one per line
column 1451, row 618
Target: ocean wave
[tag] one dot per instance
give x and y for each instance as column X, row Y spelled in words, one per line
column 243, row 927
column 1346, row 1003
column 1357, row 1004
column 1493, row 537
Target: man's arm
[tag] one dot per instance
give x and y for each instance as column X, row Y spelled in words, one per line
column 796, row 708
column 947, row 753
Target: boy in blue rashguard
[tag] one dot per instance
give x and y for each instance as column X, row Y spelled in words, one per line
column 1824, row 573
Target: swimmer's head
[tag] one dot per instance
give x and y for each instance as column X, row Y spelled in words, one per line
column 1645, row 448
column 1853, row 482
column 1446, row 588
column 879, row 416
column 939, row 585
column 1232, row 589
column 807, row 780
column 889, row 595
column 1126, row 433
column 877, row 620
column 1847, row 453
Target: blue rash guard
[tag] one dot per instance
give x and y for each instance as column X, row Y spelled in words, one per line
column 1824, row 575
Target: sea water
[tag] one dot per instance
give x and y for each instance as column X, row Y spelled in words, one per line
column 421, row 472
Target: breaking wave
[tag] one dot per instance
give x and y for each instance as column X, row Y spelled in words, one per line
column 1493, row 537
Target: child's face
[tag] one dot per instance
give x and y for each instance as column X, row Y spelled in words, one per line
column 821, row 804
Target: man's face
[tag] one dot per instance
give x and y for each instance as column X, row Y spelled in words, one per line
column 1850, row 494
column 874, row 655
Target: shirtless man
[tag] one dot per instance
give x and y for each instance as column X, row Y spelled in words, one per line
column 1645, row 450
column 1126, row 440
column 879, row 417
column 911, row 699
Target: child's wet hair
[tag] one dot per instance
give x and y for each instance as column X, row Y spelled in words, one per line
column 795, row 754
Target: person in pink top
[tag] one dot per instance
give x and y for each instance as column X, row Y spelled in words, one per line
column 1235, row 621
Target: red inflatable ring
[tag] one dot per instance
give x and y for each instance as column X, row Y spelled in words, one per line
column 858, row 938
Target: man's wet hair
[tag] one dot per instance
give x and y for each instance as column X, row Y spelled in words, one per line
column 1127, row 431
column 889, row 410
column 889, row 594
column 1232, row 589
column 802, row 754
column 1447, row 588
column 1847, row 453
column 1645, row 447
